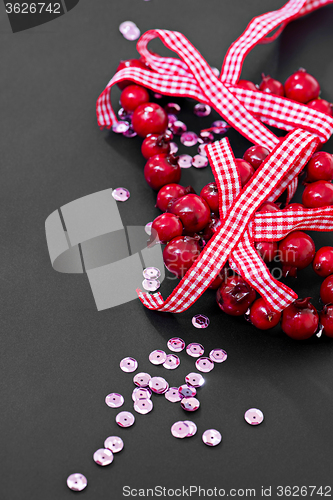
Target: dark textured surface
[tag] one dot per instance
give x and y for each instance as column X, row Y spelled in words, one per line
column 59, row 356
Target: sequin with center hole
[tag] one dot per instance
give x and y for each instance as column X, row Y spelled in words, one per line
column 114, row 443
column 129, row 30
column 141, row 379
column 205, row 137
column 130, row 132
column 151, row 273
column 148, row 228
column 204, row 365
column 215, row 71
column 173, row 395
column 77, row 482
column 220, row 127
column 114, row 400
column 218, row 355
column 202, row 109
column 143, row 406
column 172, row 362
column 141, row 393
column 121, row 194
column 157, row 357
column 201, row 150
column 128, row 365
column 125, row 419
column 151, row 285
column 192, row 428
column 211, row 437
column 178, row 127
column 180, row 430
column 120, row 127
column 185, row 161
column 195, row 350
column 176, row 344
column 171, row 120
column 187, row 391
column 172, row 108
column 190, row 404
column 173, row 148
column 189, row 139
column 200, row 321
column 199, row 161
column 103, row 456
column 124, row 115
column 253, row 416
column 194, row 379
column 158, row 385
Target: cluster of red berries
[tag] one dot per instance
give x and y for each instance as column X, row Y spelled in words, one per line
column 189, row 220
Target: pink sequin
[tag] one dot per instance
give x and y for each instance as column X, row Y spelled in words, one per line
column 114, row 400
column 189, row 139
column 173, row 148
column 125, row 419
column 151, row 273
column 172, row 362
column 178, row 127
column 204, row 365
column 190, row 404
column 201, row 150
column 180, row 430
column 151, row 285
column 141, row 379
column 143, row 406
column 199, row 161
column 148, row 228
column 114, row 443
column 129, row 30
column 211, row 437
column 218, row 355
column 172, row 108
column 141, row 393
column 103, row 456
column 194, row 379
column 157, row 357
column 202, row 109
column 200, row 321
column 176, row 344
column 173, row 395
column 187, row 391
column 128, row 365
column 158, row 385
column 192, row 428
column 195, row 350
column 130, row 133
column 120, row 127
column 77, row 482
column 185, row 161
column 220, row 127
column 121, row 194
column 253, row 416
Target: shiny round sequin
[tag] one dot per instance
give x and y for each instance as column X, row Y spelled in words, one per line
column 130, row 132
column 205, row 137
column 125, row 419
column 77, row 482
column 151, row 273
column 189, row 139
column 121, row 194
column 185, row 161
column 124, row 115
column 200, row 321
column 157, row 357
column 114, row 443
column 129, row 30
column 141, row 379
column 195, row 350
column 151, row 285
column 148, row 228
column 211, row 437
column 178, row 127
column 143, row 406
column 173, row 148
column 158, row 96
column 128, row 365
column 192, row 428
column 176, row 344
column 220, row 127
column 172, row 362
column 158, row 385
column 172, row 108
column 194, row 379
column 171, row 120
column 215, row 71
column 141, row 393
column 253, row 416
column 218, row 355
column 190, row 404
column 180, row 430
column 114, row 400
column 204, row 365
column 187, row 391
column 202, row 109
column 201, row 150
column 199, row 161
column 120, row 127
column 173, row 395
column 103, row 456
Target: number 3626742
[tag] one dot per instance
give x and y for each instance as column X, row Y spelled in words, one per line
column 33, row 8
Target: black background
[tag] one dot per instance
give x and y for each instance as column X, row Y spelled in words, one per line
column 59, row 356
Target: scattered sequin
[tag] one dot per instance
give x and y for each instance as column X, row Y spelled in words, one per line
column 157, row 357
column 192, row 428
column 211, row 437
column 141, row 393
column 185, row 161
column 178, row 127
column 167, row 136
column 129, row 30
column 215, row 71
column 189, row 139
column 158, row 385
column 171, row 120
column 120, row 127
column 173, row 395
column 218, row 355
column 172, row 362
column 114, row 400
column 201, row 150
column 172, row 108
column 194, row 379
column 180, row 430
column 200, row 321
column 205, row 137
column 77, row 482
column 151, row 285
column 121, row 194
column 128, row 365
column 130, row 132
column 202, row 109
column 220, row 127
column 148, row 228
column 173, row 148
column 195, row 350
column 151, row 273
column 143, row 406
column 141, row 379
column 176, row 344
column 125, row 419
column 158, row 96
column 253, row 416
column 204, row 365
column 187, row 391
column 124, row 115
column 103, row 456
column 114, row 443
column 190, row 404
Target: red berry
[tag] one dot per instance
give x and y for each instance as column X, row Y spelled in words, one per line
column 326, row 290
column 245, row 170
column 326, row 319
column 235, row 296
column 323, row 261
column 130, row 63
column 294, row 206
column 222, row 276
column 180, row 253
column 262, row 317
column 168, row 194
column 320, row 167
column 321, row 105
column 211, row 195
column 300, row 320
column 153, row 145
column 255, row 156
column 193, row 211
column 166, row 227
column 296, row 251
column 149, row 118
column 301, row 87
column 318, row 194
column 267, row 250
column 268, row 207
column 247, row 85
column 161, row 170
column 271, row 86
column 132, row 96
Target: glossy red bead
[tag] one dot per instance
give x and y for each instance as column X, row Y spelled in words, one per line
column 161, row 170
column 149, row 118
column 318, row 194
column 255, row 156
column 322, row 106
column 320, row 167
column 211, row 228
column 294, row 206
column 301, row 87
column 326, row 290
column 180, row 253
column 267, row 250
column 132, row 96
column 235, row 296
column 211, row 195
column 262, row 316
column 300, row 320
column 323, row 261
column 245, row 170
column 130, row 63
column 247, row 85
column 166, row 227
column 296, row 251
column 268, row 207
column 220, row 278
column 271, row 86
column 169, row 193
column 153, row 145
column 326, row 319
column 193, row 211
